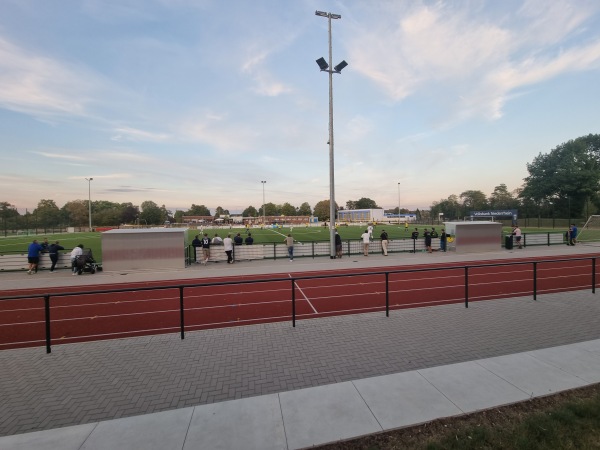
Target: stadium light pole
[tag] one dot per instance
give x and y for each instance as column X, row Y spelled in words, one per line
column 264, row 214
column 89, row 180
column 325, row 67
column 398, row 203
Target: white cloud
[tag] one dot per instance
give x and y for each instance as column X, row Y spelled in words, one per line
column 136, row 135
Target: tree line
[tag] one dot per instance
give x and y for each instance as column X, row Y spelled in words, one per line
column 564, row 182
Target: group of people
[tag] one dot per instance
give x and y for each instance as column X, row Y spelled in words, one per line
column 205, row 242
column 367, row 237
column 35, row 249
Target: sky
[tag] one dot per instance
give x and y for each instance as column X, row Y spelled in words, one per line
column 187, row 102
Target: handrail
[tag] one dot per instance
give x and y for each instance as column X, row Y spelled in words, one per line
column 294, row 280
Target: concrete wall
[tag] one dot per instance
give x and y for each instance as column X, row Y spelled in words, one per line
column 149, row 248
column 470, row 237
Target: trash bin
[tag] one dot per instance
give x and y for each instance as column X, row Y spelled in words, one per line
column 508, row 242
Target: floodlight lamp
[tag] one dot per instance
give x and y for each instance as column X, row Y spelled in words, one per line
column 320, row 13
column 335, row 16
column 340, row 66
column 322, row 64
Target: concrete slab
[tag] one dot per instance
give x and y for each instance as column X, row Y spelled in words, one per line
column 590, row 346
column 572, row 359
column 325, row 414
column 403, row 399
column 531, row 375
column 250, row 423
column 67, row 438
column 158, row 431
column 471, row 387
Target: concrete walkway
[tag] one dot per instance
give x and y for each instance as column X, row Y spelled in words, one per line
column 274, row 386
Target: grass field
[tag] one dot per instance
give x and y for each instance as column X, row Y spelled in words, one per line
column 266, row 235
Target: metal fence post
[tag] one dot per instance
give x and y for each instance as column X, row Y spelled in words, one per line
column 593, row 275
column 535, row 280
column 387, row 295
column 466, row 286
column 47, row 314
column 181, row 321
column 293, row 302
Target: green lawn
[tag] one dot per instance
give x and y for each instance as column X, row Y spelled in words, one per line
column 266, row 235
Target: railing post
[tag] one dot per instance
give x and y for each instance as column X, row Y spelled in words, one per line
column 535, row 280
column 181, row 321
column 313, row 249
column 387, row 295
column 594, row 275
column 548, row 239
column 466, row 286
column 47, row 314
column 293, row 302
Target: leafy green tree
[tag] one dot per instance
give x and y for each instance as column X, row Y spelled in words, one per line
column 351, row 204
column 219, row 212
column 501, row 198
column 473, row 201
column 271, row 209
column 365, row 203
column 178, row 217
column 288, row 210
column 75, row 213
column 9, row 215
column 568, row 176
column 151, row 213
column 47, row 214
column 198, row 210
column 304, row 209
column 322, row 210
column 250, row 211
column 450, row 208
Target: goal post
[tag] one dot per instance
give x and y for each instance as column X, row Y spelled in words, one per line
column 590, row 232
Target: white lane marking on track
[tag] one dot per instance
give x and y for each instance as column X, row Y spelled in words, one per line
column 304, row 295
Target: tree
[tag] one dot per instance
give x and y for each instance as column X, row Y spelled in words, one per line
column 502, row 199
column 271, row 209
column 568, row 176
column 47, row 214
column 151, row 214
column 450, row 208
column 365, row 203
column 75, row 213
column 351, row 204
column 288, row 210
column 219, row 212
column 304, row 209
column 9, row 215
column 198, row 210
column 178, row 216
column 322, row 210
column 129, row 213
column 473, row 201
column 250, row 211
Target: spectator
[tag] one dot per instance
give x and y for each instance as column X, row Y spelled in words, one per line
column 205, row 248
column 366, row 237
column 427, row 237
column 217, row 240
column 443, row 240
column 45, row 246
column 33, row 256
column 573, row 234
column 196, row 243
column 338, row 245
column 53, row 251
column 517, row 234
column 289, row 241
column 228, row 244
column 249, row 240
column 384, row 242
column 238, row 239
column 75, row 254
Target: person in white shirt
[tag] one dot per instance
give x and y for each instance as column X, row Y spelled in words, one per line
column 75, row 254
column 228, row 244
column 366, row 237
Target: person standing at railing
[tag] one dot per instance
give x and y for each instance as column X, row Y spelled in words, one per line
column 443, row 240
column 205, row 248
column 384, row 242
column 53, row 252
column 366, row 237
column 228, row 244
column 427, row 237
column 196, row 243
column 289, row 241
column 573, row 234
column 249, row 240
column 33, row 256
column 338, row 245
column 517, row 234
column 75, row 254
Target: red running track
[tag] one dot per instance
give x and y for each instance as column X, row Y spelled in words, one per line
column 96, row 316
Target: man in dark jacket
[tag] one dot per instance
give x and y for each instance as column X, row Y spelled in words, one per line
column 53, row 250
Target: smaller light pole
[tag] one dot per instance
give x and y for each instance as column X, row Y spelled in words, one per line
column 89, row 180
column 264, row 215
column 398, row 203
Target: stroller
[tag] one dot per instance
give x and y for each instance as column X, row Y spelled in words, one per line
column 87, row 263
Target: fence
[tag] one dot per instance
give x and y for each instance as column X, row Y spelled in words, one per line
column 293, row 280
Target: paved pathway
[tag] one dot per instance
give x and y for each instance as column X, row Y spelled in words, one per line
column 90, row 382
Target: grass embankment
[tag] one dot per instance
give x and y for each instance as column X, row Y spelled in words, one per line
column 567, row 420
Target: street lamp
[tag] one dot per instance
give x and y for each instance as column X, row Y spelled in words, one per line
column 264, row 215
column 398, row 203
column 325, row 67
column 89, row 180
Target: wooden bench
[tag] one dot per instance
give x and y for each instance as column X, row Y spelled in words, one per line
column 18, row 261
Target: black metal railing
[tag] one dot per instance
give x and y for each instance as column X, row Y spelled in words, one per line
column 293, row 280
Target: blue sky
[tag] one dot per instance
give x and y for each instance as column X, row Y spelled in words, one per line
column 198, row 101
